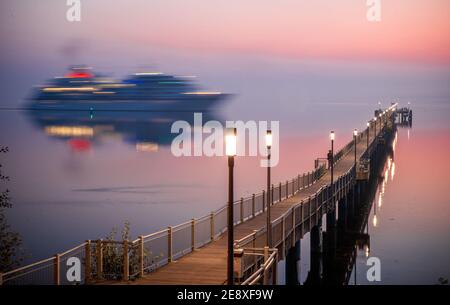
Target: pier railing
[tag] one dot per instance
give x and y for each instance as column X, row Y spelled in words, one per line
column 300, row 217
column 260, row 264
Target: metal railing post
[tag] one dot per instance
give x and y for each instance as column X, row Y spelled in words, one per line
column 279, row 192
column 254, row 246
column 126, row 261
column 56, row 270
column 271, row 197
column 266, row 258
column 253, row 205
column 141, row 256
column 242, row 209
column 287, row 189
column 212, row 226
column 99, row 259
column 264, row 201
column 293, row 225
column 283, row 236
column 87, row 263
column 274, row 271
column 169, row 244
column 192, row 234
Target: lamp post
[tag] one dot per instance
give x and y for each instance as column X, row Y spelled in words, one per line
column 332, row 164
column 268, row 204
column 355, row 134
column 368, row 131
column 230, row 143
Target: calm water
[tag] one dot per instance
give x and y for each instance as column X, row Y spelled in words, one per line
column 65, row 191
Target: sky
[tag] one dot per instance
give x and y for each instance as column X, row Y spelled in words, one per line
column 409, row 30
column 314, row 65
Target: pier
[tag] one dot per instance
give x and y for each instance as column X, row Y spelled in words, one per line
column 195, row 252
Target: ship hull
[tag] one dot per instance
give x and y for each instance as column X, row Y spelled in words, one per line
column 198, row 103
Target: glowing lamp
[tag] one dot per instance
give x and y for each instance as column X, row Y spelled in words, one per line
column 269, row 138
column 231, row 142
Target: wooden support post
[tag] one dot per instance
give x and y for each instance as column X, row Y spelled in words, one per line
column 303, row 181
column 87, row 262
column 56, row 270
column 298, row 182
column 293, row 188
column 212, row 226
column 99, row 249
column 126, row 261
column 242, row 209
column 169, row 244
column 141, row 256
column 253, row 206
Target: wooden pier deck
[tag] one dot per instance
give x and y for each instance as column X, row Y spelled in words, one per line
column 207, row 265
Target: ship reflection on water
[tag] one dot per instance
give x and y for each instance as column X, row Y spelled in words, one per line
column 145, row 130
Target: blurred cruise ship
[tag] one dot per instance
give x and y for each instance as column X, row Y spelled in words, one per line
column 81, row 89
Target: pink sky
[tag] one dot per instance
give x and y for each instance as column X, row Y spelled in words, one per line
column 410, row 30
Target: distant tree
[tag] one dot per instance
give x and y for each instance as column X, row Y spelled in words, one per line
column 5, row 200
column 10, row 246
column 11, row 254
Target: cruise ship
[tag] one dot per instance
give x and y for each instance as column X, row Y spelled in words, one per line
column 82, row 89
